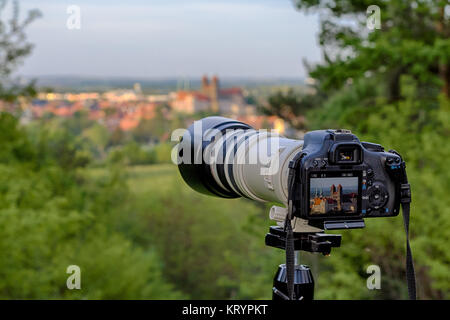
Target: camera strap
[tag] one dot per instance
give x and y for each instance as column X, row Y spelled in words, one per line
column 405, row 200
column 410, row 273
column 290, row 255
column 290, row 250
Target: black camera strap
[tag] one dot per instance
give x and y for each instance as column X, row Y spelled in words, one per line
column 405, row 200
column 290, row 254
column 290, row 250
column 410, row 273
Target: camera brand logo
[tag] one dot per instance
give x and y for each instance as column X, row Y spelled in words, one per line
column 74, row 280
column 373, row 17
column 74, row 20
column 374, row 280
column 234, row 146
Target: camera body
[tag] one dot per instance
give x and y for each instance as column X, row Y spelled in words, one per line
column 341, row 178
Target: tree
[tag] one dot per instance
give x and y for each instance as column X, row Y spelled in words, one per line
column 290, row 106
column 414, row 40
column 55, row 214
column 389, row 86
column 13, row 49
column 144, row 132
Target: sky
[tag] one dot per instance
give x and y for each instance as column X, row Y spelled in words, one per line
column 349, row 184
column 171, row 38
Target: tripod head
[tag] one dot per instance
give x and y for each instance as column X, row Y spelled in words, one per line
column 304, row 239
column 303, row 278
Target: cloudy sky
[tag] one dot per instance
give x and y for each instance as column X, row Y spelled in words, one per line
column 172, row 38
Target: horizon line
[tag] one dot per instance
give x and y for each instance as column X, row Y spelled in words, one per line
column 171, row 77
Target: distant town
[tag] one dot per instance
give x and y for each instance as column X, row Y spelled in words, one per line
column 124, row 109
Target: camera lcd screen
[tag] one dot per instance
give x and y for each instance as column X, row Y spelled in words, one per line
column 333, row 194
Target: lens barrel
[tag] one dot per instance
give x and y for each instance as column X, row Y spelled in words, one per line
column 229, row 159
column 195, row 171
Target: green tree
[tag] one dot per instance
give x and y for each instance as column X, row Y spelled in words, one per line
column 414, row 40
column 98, row 137
column 13, row 49
column 57, row 214
column 389, row 86
column 290, row 106
column 145, row 132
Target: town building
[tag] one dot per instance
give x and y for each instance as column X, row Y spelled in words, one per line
column 337, row 201
column 212, row 98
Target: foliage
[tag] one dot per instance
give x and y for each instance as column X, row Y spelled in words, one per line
column 56, row 214
column 414, row 40
column 13, row 49
column 209, row 248
column 132, row 154
column 289, row 106
column 96, row 143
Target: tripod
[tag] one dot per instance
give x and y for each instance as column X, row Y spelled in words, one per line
column 303, row 278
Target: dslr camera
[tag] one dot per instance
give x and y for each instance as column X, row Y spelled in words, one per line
column 343, row 179
column 333, row 179
column 329, row 180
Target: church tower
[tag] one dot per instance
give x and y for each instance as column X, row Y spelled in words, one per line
column 211, row 90
column 336, row 195
column 214, row 95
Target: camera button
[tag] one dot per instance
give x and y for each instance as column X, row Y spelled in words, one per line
column 377, row 196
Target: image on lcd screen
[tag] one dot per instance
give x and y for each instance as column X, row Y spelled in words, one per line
column 333, row 196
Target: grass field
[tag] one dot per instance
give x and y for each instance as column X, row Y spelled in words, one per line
column 153, row 178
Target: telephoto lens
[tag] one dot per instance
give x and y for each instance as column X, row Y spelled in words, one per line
column 229, row 159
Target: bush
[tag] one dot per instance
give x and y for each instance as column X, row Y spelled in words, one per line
column 58, row 214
